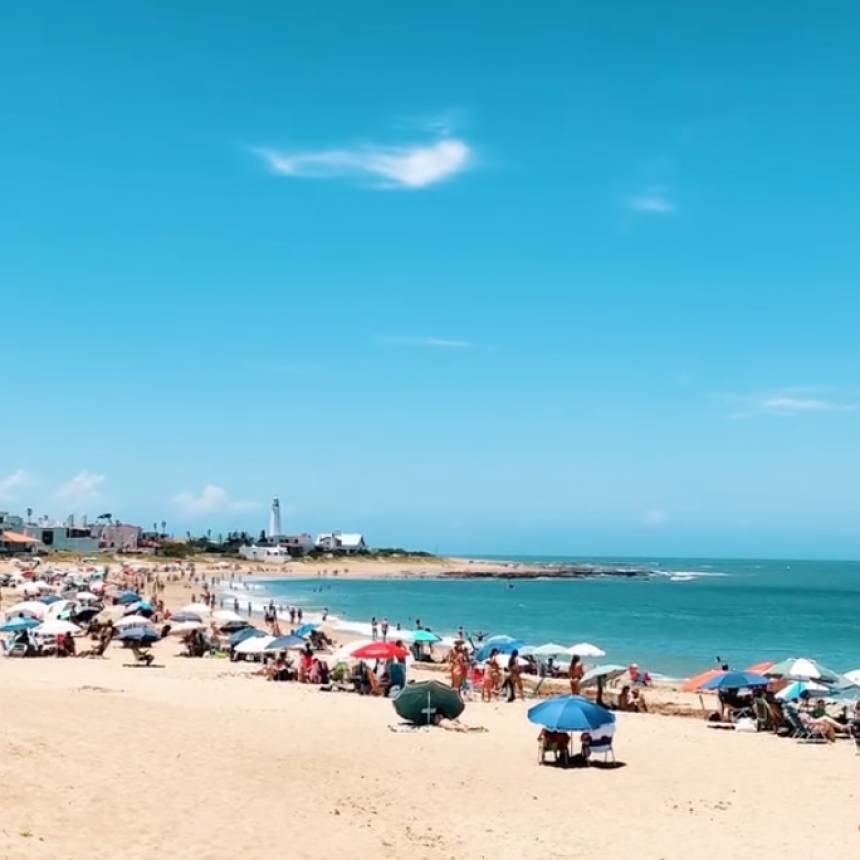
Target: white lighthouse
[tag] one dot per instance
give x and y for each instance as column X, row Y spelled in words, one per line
column 275, row 519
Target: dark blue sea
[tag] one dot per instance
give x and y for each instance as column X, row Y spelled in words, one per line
column 673, row 623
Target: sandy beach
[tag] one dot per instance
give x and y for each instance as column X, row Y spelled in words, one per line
column 192, row 758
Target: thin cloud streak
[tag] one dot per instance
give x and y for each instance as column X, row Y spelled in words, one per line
column 427, row 342
column 212, row 499
column 12, row 483
column 408, row 166
column 654, row 200
column 786, row 403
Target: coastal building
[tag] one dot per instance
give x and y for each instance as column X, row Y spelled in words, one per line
column 121, row 537
column 10, row 522
column 65, row 537
column 340, row 542
column 16, row 542
column 271, row 554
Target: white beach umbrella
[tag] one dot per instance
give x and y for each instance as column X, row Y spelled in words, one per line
column 55, row 627
column 585, row 649
column 55, row 609
column 30, row 589
column 344, row 653
column 254, row 645
column 132, row 621
column 226, row 615
column 802, row 669
column 551, row 649
column 87, row 597
column 196, row 609
column 31, row 608
column 187, row 627
column 853, row 676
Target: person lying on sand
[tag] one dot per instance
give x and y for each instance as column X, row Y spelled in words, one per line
column 455, row 726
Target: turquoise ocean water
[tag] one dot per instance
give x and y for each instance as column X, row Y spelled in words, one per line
column 674, row 623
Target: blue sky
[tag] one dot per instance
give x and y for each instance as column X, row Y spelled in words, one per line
column 460, row 275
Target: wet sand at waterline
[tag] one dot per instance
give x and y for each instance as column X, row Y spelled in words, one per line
column 194, row 761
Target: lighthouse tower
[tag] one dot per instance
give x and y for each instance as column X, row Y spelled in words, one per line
column 275, row 519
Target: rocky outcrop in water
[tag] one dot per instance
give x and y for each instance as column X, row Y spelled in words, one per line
column 549, row 571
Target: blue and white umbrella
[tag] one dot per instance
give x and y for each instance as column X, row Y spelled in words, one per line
column 502, row 644
column 306, row 628
column 735, row 681
column 16, row 625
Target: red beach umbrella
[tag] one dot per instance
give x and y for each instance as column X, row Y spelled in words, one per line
column 695, row 683
column 380, row 651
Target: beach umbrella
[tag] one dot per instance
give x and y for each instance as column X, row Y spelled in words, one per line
column 502, row 644
column 110, row 613
column 29, row 607
column 735, row 681
column 83, row 615
column 760, row 668
column 282, row 643
column 200, row 609
column 87, row 597
column 853, row 677
column 182, row 616
column 48, row 599
column 128, row 597
column 187, row 627
column 570, row 714
column 797, row 688
column 55, row 627
column 344, row 653
column 419, row 703
column 306, row 628
column 15, row 625
column 609, row 671
column 246, row 633
column 141, row 635
column 142, row 607
column 226, row 615
column 802, row 669
column 379, row 651
column 695, row 683
column 233, row 626
column 254, row 645
column 132, row 621
column 585, row 649
column 551, row 649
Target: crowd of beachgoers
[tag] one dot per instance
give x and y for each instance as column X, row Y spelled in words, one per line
column 81, row 611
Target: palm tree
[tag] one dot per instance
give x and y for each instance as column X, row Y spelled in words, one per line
column 29, row 513
column 163, row 527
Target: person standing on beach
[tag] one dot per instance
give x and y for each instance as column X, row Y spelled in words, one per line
column 374, row 628
column 575, row 674
column 384, row 628
column 515, row 678
column 458, row 665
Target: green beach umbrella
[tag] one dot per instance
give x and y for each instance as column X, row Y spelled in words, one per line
column 419, row 703
column 424, row 636
column 802, row 669
column 608, row 671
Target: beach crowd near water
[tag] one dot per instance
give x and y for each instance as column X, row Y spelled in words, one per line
column 113, row 672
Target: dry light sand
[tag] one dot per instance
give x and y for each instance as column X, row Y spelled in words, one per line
column 100, row 761
column 192, row 760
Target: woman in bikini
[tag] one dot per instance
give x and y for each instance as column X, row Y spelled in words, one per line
column 457, row 660
column 491, row 677
column 515, row 678
column 575, row 674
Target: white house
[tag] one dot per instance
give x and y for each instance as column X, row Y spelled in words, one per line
column 341, row 542
column 272, row 554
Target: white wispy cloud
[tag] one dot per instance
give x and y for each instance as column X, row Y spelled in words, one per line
column 10, row 485
column 786, row 403
column 83, row 489
column 414, row 165
column 426, row 342
column 655, row 516
column 211, row 499
column 654, row 200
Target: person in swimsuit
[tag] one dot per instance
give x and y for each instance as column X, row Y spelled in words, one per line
column 491, row 677
column 457, row 665
column 515, row 678
column 575, row 674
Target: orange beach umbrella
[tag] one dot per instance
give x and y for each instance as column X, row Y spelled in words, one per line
column 760, row 668
column 695, row 683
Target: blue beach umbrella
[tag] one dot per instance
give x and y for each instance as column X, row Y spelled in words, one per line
column 128, row 597
column 142, row 635
column 282, row 643
column 502, row 644
column 570, row 714
column 48, row 599
column 182, row 617
column 305, row 629
column 142, row 606
column 735, row 681
column 16, row 625
column 242, row 635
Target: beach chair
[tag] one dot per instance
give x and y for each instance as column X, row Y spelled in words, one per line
column 603, row 748
column 763, row 719
column 803, row 733
column 854, row 731
column 556, row 745
column 376, row 689
column 142, row 657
